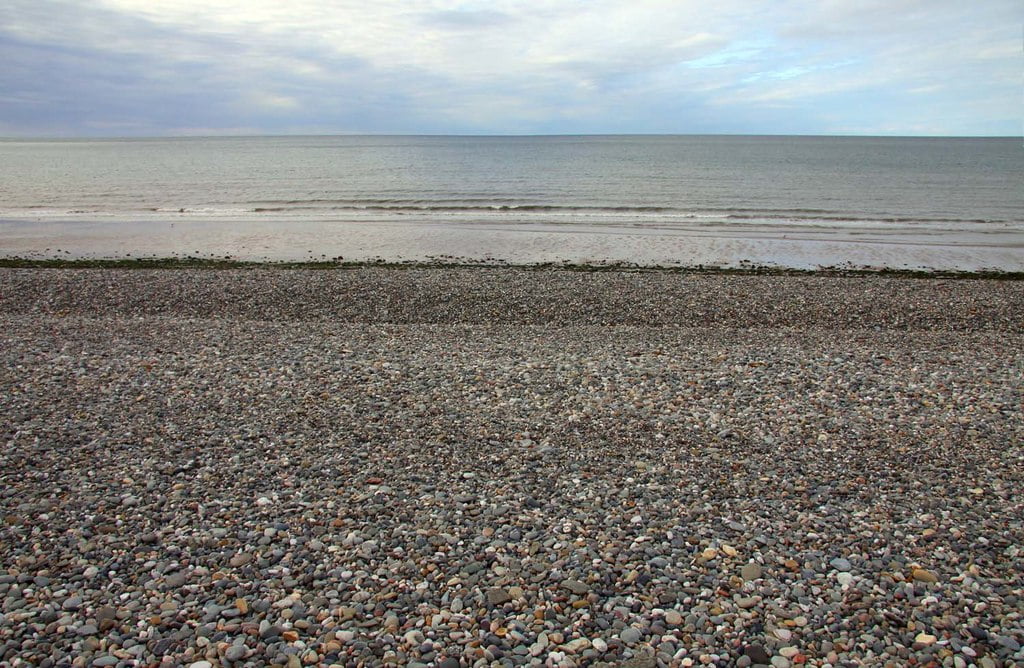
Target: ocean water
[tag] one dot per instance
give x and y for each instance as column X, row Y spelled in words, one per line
column 515, row 198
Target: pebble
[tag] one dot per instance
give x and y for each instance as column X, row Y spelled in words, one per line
column 498, row 596
column 576, row 587
column 241, row 559
column 629, row 635
column 750, row 571
column 757, row 654
column 235, row 653
column 473, row 467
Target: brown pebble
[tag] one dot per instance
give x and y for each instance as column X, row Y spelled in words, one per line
column 921, row 575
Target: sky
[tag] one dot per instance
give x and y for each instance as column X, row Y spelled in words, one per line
column 228, row 67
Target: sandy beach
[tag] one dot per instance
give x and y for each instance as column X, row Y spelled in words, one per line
column 474, row 467
column 939, row 247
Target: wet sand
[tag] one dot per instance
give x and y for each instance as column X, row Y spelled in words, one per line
column 963, row 248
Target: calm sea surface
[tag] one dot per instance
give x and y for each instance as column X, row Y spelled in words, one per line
column 915, row 186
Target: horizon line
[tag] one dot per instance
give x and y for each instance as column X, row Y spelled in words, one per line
column 490, row 135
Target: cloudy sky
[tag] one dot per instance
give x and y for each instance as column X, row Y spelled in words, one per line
column 171, row 67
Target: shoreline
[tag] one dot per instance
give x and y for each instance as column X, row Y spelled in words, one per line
column 520, row 243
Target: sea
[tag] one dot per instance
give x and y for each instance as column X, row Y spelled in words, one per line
column 941, row 203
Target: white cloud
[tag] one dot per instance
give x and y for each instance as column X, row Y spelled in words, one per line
column 504, row 65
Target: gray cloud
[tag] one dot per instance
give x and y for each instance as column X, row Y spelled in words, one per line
column 162, row 67
column 466, row 19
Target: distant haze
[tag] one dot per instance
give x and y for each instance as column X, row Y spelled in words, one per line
column 211, row 67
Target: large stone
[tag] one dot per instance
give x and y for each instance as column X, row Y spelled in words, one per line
column 746, row 602
column 750, row 571
column 235, row 653
column 629, row 635
column 576, row 587
column 241, row 559
column 497, row 596
column 922, row 575
column 757, row 653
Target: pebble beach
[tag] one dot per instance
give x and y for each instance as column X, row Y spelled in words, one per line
column 457, row 466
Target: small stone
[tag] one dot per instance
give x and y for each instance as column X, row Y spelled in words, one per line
column 841, row 565
column 200, row 664
column 922, row 575
column 674, row 618
column 783, row 634
column 925, row 639
column 780, row 662
column 844, row 579
column 788, row 652
column 600, row 645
